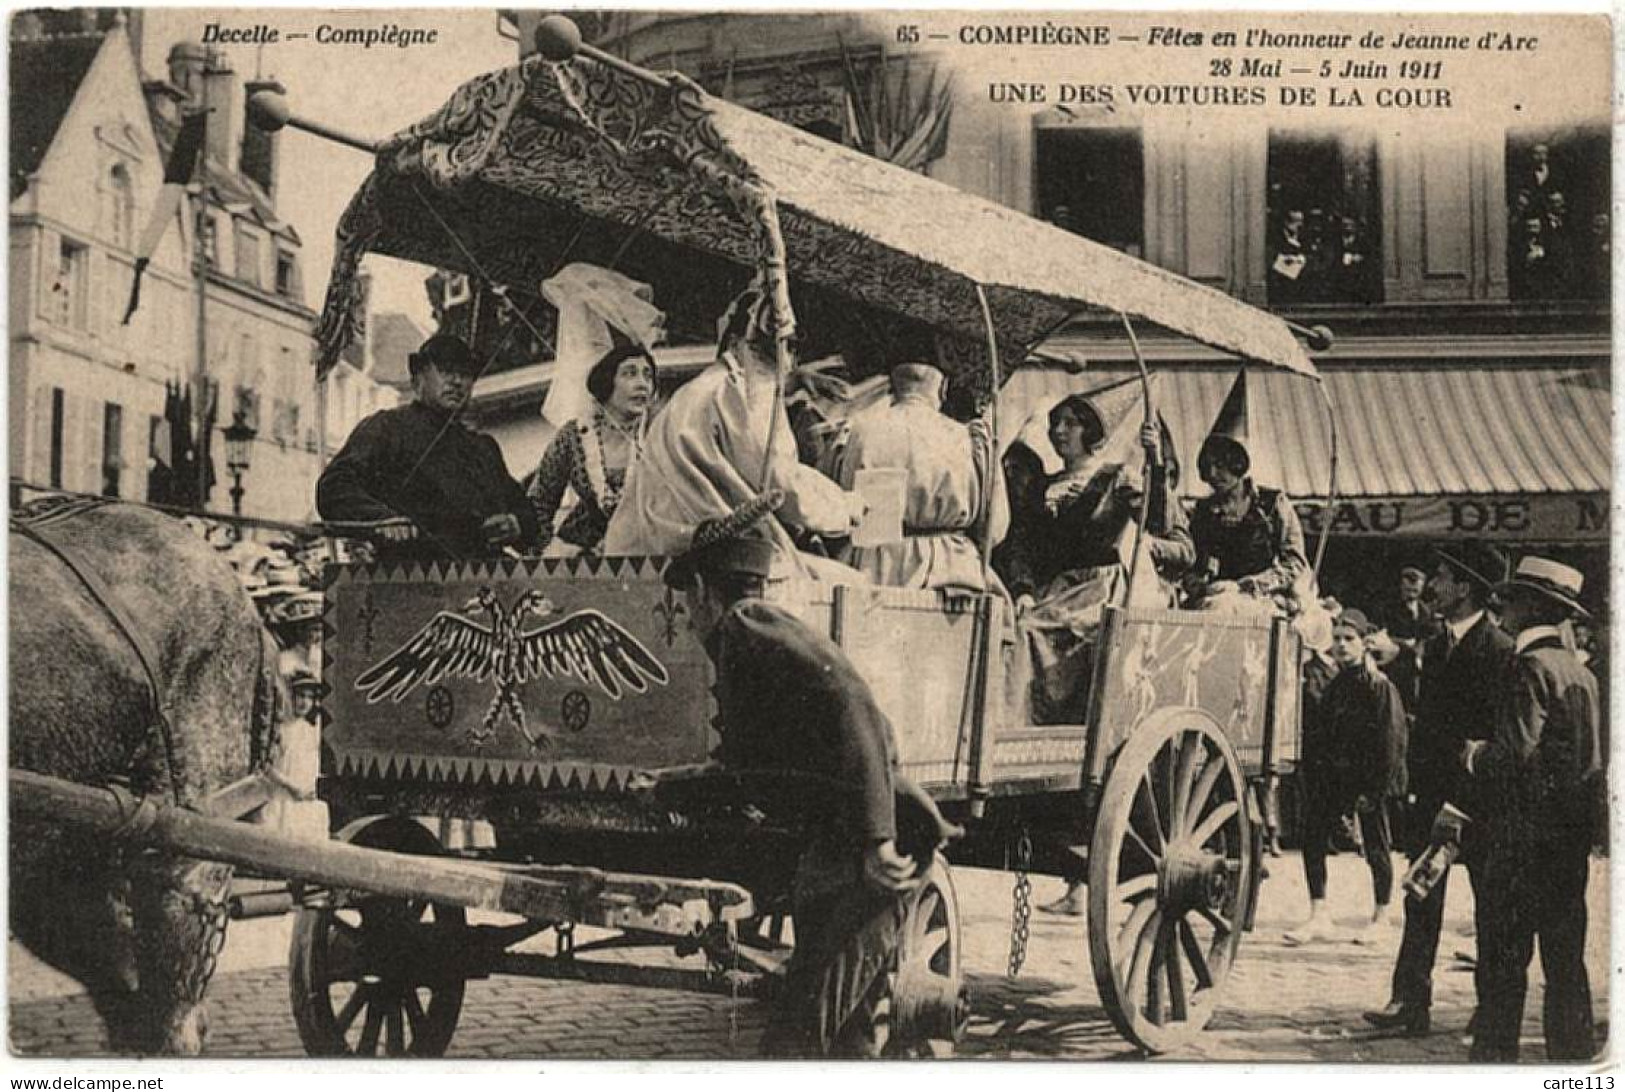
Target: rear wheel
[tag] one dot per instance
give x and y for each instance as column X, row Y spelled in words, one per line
column 928, row 1005
column 357, row 977
column 1170, row 878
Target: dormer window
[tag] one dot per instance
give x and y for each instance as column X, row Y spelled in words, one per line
column 248, row 256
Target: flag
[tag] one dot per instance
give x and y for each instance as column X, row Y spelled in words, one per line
column 178, row 172
column 205, row 442
column 184, row 467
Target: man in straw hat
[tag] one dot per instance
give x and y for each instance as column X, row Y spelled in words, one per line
column 793, row 710
column 1535, row 777
column 1462, row 665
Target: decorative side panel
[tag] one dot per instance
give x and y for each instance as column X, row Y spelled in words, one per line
column 555, row 672
column 1213, row 662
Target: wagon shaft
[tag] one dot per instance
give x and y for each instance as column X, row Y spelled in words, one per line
column 586, row 896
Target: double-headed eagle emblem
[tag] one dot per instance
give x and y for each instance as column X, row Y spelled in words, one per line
column 586, row 645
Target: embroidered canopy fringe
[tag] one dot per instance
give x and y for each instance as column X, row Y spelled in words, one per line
column 546, row 162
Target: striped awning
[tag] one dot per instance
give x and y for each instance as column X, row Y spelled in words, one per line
column 1410, row 429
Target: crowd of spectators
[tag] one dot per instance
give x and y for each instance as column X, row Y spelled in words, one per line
column 1320, row 255
column 1554, row 250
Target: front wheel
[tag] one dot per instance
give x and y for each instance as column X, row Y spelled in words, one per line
column 356, row 974
column 1170, row 878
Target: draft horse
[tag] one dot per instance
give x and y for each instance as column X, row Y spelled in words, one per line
column 136, row 660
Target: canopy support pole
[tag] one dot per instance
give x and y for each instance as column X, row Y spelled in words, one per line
column 991, row 480
column 1331, row 484
column 1146, row 491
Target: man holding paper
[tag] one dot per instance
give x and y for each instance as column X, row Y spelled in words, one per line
column 910, row 458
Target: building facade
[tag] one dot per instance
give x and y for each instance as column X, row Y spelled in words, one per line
column 89, row 395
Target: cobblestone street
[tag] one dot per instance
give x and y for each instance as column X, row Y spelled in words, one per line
column 1287, row 1004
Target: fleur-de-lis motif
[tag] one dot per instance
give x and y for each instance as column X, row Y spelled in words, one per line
column 668, row 610
column 369, row 615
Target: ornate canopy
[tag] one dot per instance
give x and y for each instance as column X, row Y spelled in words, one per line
column 528, row 168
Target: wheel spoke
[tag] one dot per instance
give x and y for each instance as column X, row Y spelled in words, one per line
column 1156, row 815
column 1137, row 888
column 1210, row 826
column 1132, row 933
column 346, row 1015
column 1153, row 985
column 1176, row 974
column 414, row 1012
column 1203, row 790
column 1193, row 954
column 368, row 1046
column 1220, row 922
column 394, row 1031
column 1152, row 855
column 1189, row 749
column 1142, row 950
column 1169, row 758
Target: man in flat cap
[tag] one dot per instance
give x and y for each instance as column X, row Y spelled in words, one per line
column 1536, row 778
column 1462, row 668
column 420, row 483
column 791, row 705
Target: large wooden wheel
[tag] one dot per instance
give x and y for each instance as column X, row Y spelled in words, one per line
column 358, row 978
column 928, row 1002
column 1170, row 872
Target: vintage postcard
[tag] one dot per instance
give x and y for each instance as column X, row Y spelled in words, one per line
column 713, row 535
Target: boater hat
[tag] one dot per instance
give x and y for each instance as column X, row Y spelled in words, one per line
column 735, row 543
column 1556, row 581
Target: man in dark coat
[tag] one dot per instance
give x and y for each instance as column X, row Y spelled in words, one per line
column 1409, row 622
column 418, row 482
column 1462, row 668
column 790, row 703
column 1536, row 780
column 1360, row 760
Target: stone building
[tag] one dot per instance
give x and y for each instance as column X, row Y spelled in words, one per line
column 88, row 394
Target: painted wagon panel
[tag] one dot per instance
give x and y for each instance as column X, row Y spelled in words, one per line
column 1240, row 670
column 919, row 651
column 455, row 704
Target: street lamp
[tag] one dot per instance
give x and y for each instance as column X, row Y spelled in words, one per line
column 239, row 453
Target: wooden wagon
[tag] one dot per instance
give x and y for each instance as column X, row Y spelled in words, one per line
column 608, row 813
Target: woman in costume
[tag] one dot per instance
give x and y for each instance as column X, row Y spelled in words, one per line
column 592, row 456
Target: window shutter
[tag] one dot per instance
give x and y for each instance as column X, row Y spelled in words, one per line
column 73, row 441
column 39, row 459
column 50, row 249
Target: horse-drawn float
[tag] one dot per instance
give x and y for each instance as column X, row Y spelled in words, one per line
column 567, row 703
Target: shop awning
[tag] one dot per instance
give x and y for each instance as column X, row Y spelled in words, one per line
column 1420, row 434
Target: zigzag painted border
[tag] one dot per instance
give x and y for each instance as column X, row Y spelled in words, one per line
column 569, row 776
column 610, row 568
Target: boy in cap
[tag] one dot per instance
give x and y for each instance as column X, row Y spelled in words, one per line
column 1537, row 776
column 1361, row 763
column 418, row 482
column 790, row 702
